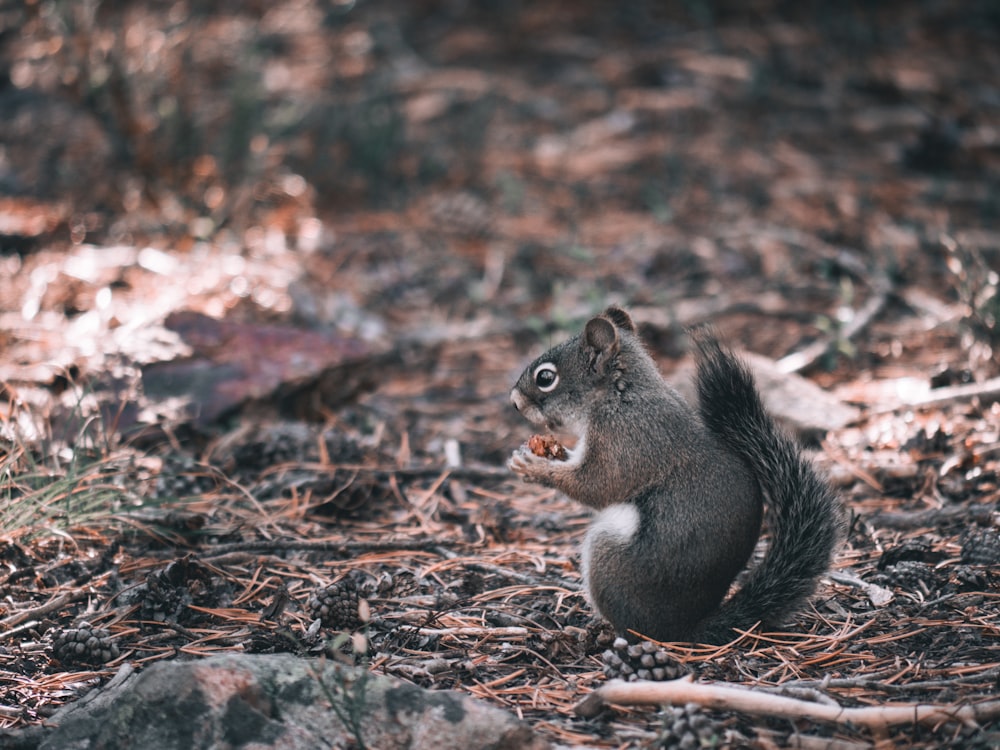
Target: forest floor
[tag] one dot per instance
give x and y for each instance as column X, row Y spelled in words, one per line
column 268, row 272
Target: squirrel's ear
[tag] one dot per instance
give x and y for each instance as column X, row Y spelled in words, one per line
column 600, row 339
column 620, row 318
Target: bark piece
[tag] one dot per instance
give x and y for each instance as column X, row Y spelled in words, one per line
column 233, row 364
column 796, row 402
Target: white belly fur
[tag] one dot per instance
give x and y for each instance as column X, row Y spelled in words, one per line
column 615, row 525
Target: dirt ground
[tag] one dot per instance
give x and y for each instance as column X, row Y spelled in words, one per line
column 268, row 272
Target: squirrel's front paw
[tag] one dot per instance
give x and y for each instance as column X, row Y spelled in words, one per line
column 528, row 466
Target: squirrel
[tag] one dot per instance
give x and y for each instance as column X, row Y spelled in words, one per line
column 678, row 492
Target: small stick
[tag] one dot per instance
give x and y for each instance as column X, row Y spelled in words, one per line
column 935, row 517
column 341, row 547
column 19, row 629
column 799, row 361
column 724, row 697
column 43, row 609
column 508, row 632
column 987, row 392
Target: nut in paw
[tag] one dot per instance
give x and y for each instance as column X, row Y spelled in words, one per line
column 527, row 465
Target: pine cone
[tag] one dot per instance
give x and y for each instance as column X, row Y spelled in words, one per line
column 640, row 661
column 170, row 589
column 274, row 444
column 462, row 214
column 181, row 476
column 599, row 636
column 161, row 603
column 973, row 577
column 84, row 644
column 910, row 575
column 912, row 550
column 399, row 585
column 981, row 547
column 688, row 728
column 337, row 605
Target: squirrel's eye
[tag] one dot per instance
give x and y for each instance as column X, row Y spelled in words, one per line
column 546, row 377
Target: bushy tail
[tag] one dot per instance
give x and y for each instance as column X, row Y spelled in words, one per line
column 806, row 518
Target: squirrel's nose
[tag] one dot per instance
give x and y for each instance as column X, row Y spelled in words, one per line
column 515, row 398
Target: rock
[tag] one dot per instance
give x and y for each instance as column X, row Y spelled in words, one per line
column 233, row 364
column 279, row 701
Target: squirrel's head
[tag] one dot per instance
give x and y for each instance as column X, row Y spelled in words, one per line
column 557, row 389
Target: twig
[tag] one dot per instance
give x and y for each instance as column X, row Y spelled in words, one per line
column 354, row 548
column 987, row 392
column 481, row 567
column 728, row 698
column 869, row 683
column 43, row 609
column 19, row 629
column 862, row 317
column 470, row 472
column 771, row 740
column 878, row 595
column 935, row 517
column 508, row 632
column 809, row 694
